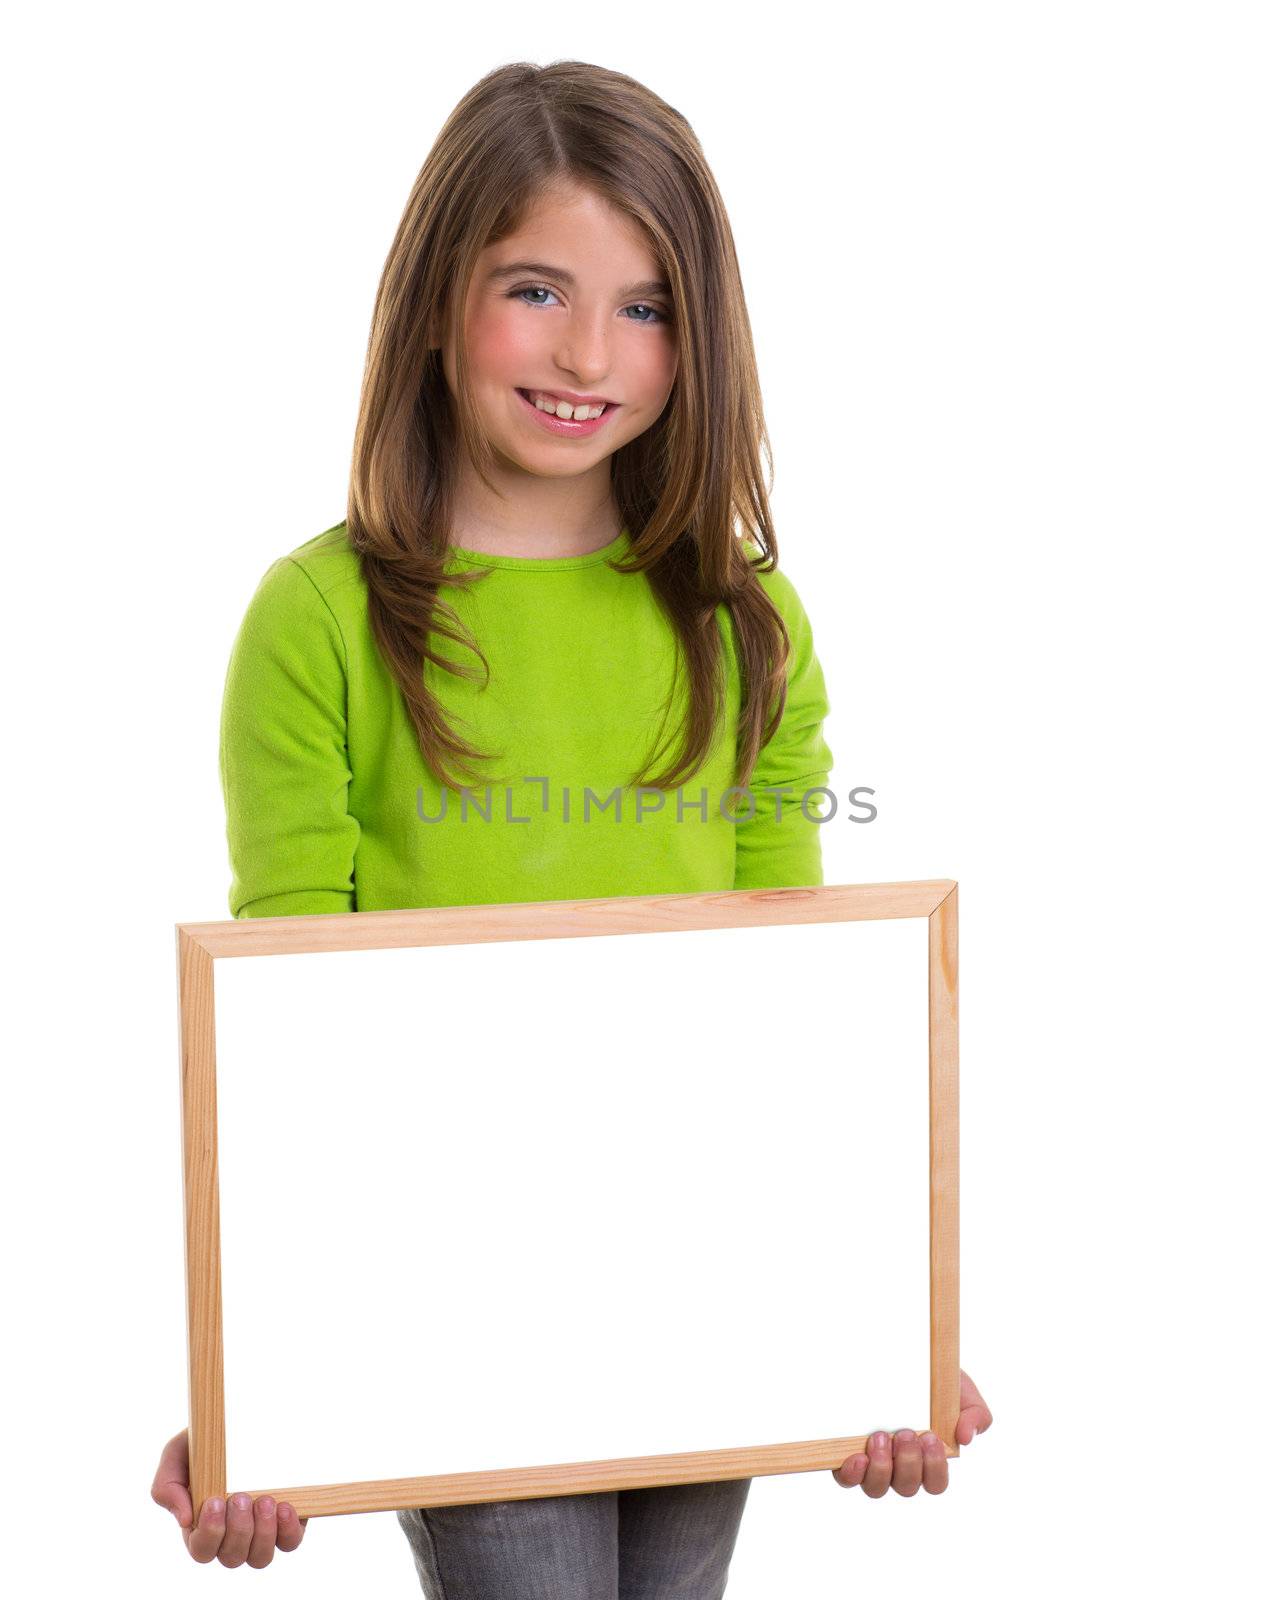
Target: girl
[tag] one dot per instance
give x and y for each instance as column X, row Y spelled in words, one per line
column 466, row 691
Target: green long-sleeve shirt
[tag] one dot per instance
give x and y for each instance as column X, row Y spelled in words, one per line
column 330, row 806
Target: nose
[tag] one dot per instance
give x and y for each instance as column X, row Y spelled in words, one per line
column 586, row 348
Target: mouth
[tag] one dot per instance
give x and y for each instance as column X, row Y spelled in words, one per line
column 567, row 427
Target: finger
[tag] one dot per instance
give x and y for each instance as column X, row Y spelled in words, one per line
column 936, row 1465
column 907, row 1462
column 290, row 1527
column 170, row 1486
column 852, row 1471
column 879, row 1471
column 263, row 1541
column 204, row 1540
column 236, row 1541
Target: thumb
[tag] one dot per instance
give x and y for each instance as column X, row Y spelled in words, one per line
column 170, row 1485
column 175, row 1498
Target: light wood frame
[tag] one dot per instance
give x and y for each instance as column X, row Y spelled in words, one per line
column 201, row 944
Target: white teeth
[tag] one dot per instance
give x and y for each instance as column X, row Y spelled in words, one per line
column 563, row 408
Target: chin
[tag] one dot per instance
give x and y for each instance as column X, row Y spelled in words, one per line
column 541, row 466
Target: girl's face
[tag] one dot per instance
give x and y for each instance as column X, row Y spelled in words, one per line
column 572, row 305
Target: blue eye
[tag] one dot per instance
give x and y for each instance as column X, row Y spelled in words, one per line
column 657, row 315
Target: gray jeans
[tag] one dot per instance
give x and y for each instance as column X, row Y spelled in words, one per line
column 668, row 1543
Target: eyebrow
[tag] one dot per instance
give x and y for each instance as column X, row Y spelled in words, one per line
column 542, row 269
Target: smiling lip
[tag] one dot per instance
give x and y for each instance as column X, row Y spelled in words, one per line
column 573, row 398
column 569, row 429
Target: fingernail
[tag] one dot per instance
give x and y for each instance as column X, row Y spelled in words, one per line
column 241, row 1502
column 928, row 1440
column 879, row 1441
column 267, row 1506
column 215, row 1507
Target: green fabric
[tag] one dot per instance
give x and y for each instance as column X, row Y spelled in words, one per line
column 326, row 791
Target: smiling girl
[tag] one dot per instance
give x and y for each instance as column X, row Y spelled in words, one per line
column 548, row 654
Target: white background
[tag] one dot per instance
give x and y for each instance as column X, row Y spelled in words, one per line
column 1014, row 272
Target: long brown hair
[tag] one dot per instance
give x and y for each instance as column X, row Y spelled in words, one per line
column 682, row 488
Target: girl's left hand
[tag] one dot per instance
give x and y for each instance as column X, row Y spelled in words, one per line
column 908, row 1461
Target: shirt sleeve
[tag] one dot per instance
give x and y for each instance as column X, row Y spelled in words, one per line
column 779, row 845
column 283, row 754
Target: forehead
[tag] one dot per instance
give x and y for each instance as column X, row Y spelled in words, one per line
column 574, row 226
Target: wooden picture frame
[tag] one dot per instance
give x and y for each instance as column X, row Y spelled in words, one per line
column 202, row 944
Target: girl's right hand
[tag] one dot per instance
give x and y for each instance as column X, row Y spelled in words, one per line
column 238, row 1533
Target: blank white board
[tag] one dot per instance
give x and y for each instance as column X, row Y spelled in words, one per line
column 519, row 1203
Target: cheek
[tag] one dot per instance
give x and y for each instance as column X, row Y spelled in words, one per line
column 500, row 347
column 653, row 366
